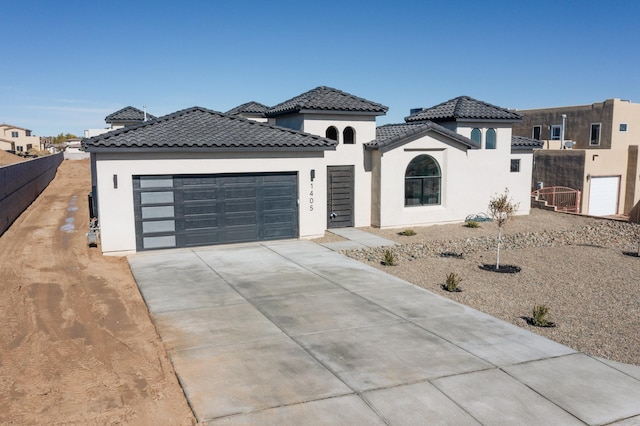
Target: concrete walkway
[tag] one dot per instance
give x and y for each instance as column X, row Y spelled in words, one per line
column 294, row 333
column 356, row 239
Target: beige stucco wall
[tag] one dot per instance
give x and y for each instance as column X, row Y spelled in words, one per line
column 116, row 210
column 613, row 162
column 22, row 141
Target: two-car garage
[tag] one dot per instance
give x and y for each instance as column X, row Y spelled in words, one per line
column 198, row 177
column 196, row 210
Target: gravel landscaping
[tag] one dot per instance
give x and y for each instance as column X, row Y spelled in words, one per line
column 583, row 269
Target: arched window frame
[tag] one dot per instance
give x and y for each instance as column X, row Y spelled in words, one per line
column 423, row 182
column 349, row 135
column 476, row 135
column 332, row 133
column 491, row 139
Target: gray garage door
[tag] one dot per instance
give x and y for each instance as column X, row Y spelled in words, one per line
column 197, row 210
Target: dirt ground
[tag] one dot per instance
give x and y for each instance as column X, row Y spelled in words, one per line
column 77, row 345
column 7, row 158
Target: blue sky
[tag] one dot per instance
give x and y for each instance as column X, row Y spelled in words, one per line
column 68, row 64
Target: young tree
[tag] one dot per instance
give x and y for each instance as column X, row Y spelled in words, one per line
column 501, row 209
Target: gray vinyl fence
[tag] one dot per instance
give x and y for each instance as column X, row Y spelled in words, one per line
column 21, row 183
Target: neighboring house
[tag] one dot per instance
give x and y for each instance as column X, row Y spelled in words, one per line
column 127, row 116
column 200, row 177
column 73, row 150
column 591, row 148
column 18, row 139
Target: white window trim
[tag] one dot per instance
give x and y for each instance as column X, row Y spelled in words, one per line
column 626, row 127
column 556, row 126
column 599, row 133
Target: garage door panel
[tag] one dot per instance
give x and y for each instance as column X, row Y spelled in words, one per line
column 156, row 197
column 200, row 222
column 157, row 212
column 200, row 194
column 239, row 206
column 189, row 209
column 199, row 238
column 208, row 180
column 164, row 241
column 215, row 209
column 158, row 226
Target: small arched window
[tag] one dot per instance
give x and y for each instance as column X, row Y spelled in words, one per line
column 332, row 133
column 349, row 135
column 490, row 142
column 476, row 135
column 422, row 182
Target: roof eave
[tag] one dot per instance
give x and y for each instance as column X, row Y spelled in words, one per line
column 206, row 149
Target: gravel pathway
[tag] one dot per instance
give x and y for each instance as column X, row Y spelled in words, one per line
column 575, row 265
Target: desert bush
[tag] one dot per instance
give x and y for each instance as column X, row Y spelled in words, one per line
column 389, row 258
column 539, row 316
column 408, row 232
column 472, row 224
column 452, row 281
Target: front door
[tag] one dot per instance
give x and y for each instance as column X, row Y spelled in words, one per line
column 339, row 196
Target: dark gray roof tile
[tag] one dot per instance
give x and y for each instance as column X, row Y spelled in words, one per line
column 201, row 129
column 248, row 108
column 391, row 136
column 128, row 113
column 519, row 142
column 327, row 99
column 463, row 108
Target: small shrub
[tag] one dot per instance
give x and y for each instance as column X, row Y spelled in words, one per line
column 451, row 283
column 408, row 232
column 472, row 224
column 389, row 258
column 539, row 314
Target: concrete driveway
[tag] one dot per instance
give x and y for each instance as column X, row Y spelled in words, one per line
column 294, row 333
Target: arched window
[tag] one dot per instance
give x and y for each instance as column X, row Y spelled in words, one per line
column 490, row 142
column 422, row 182
column 476, row 135
column 332, row 133
column 349, row 135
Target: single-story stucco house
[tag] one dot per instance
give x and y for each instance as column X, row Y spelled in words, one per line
column 315, row 162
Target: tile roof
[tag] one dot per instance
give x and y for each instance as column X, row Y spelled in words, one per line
column 327, row 99
column 463, row 108
column 128, row 113
column 201, row 129
column 248, row 108
column 391, row 136
column 522, row 143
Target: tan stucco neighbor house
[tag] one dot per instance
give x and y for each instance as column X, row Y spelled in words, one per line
column 591, row 148
column 18, row 139
column 314, row 162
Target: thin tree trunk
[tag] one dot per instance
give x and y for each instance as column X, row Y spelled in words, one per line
column 499, row 241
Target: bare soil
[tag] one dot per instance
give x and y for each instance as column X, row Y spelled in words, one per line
column 77, row 345
column 7, row 158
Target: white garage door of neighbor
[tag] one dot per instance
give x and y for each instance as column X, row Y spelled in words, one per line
column 603, row 195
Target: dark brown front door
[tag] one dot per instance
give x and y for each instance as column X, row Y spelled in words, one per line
column 339, row 196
